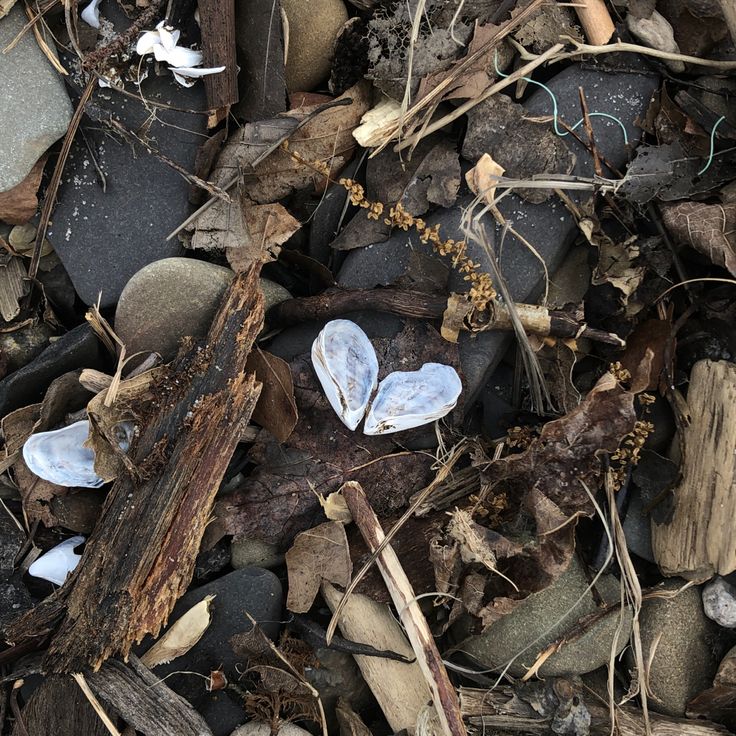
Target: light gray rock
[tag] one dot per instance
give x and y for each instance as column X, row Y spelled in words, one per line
column 656, row 31
column 684, row 662
column 35, row 109
column 174, row 298
column 719, row 602
column 544, row 617
column 313, row 28
column 246, row 552
column 254, row 728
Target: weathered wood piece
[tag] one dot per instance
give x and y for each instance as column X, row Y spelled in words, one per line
column 699, row 541
column 140, row 557
column 500, row 709
column 217, row 21
column 144, row 701
column 402, row 594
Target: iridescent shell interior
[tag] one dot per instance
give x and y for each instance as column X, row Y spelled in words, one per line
column 410, row 399
column 347, row 368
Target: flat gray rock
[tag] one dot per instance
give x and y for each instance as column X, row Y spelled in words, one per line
column 543, row 617
column 35, row 110
column 548, row 226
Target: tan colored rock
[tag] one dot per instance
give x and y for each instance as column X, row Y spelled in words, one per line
column 313, row 27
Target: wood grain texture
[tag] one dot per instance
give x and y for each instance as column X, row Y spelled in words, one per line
column 140, row 557
column 700, row 541
column 217, row 21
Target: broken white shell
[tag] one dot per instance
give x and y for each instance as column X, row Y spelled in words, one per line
column 347, row 368
column 60, row 456
column 58, row 562
column 410, row 399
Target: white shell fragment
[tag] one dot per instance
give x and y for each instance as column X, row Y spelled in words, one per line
column 60, row 456
column 58, row 562
column 347, row 368
column 411, row 399
column 91, row 14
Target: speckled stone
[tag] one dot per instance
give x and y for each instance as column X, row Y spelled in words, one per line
column 35, row 110
column 313, row 28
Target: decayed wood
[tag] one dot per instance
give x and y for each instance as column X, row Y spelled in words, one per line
column 537, row 320
column 217, row 21
column 140, row 557
column 500, row 708
column 144, row 702
column 399, row 687
column 699, row 541
column 402, row 594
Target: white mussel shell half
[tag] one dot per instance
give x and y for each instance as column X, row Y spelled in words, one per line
column 58, row 562
column 347, row 368
column 411, row 399
column 60, row 456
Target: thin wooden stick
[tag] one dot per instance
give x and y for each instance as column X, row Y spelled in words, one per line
column 402, row 594
column 596, row 21
column 85, row 688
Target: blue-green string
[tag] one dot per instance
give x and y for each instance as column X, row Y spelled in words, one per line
column 712, row 145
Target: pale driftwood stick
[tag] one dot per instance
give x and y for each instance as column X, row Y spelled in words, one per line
column 402, row 595
column 501, row 709
column 596, row 21
column 699, row 541
column 729, row 13
column 399, row 688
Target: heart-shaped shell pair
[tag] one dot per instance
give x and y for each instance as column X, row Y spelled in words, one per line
column 61, row 457
column 347, row 368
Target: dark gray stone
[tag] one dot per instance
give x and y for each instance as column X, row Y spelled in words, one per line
column 79, row 348
column 104, row 237
column 548, row 226
column 11, row 540
column 22, row 346
column 638, row 528
column 684, row 662
column 14, row 600
column 250, row 590
column 35, row 110
column 543, row 617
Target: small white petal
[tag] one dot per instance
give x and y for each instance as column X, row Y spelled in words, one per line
column 198, row 72
column 58, row 562
column 147, row 42
column 183, row 81
column 169, row 38
column 91, row 14
column 180, row 56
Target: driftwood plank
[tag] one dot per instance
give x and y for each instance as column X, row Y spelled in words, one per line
column 144, row 702
column 699, row 540
column 140, row 557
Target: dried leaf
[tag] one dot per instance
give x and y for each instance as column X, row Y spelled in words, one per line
column 336, row 508
column 326, row 140
column 456, row 312
column 276, row 408
column 349, row 721
column 651, row 336
column 266, row 227
column 318, row 554
column 182, row 636
column 483, row 178
column 709, row 228
column 18, row 205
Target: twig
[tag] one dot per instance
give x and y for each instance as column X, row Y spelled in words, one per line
column 596, row 21
column 535, row 319
column 53, row 187
column 41, row 41
column 589, row 131
column 84, row 687
column 471, row 103
column 410, row 614
column 728, row 8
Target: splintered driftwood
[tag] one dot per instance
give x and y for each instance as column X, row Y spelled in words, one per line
column 140, row 557
column 535, row 319
column 402, row 595
column 699, row 540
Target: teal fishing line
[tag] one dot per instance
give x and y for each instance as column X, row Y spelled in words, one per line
column 553, row 97
column 712, row 145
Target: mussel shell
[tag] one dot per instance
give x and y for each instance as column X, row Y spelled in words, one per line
column 347, row 368
column 408, row 399
column 60, row 456
column 58, row 562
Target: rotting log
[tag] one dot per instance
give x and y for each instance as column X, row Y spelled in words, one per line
column 140, row 556
column 699, row 540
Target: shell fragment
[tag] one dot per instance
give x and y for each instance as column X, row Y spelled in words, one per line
column 58, row 562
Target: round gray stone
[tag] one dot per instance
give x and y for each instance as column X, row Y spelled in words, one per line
column 247, row 552
column 546, row 616
column 683, row 663
column 170, row 299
